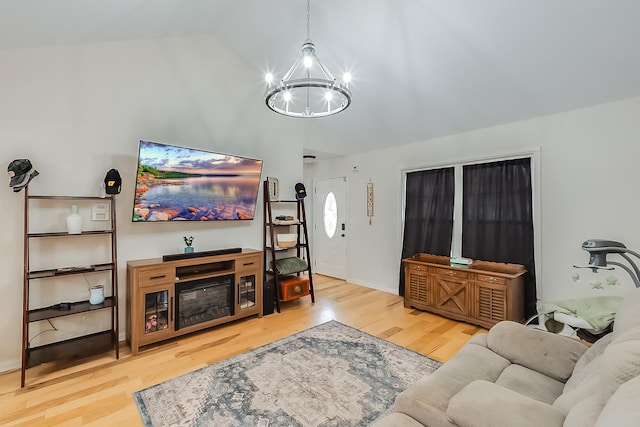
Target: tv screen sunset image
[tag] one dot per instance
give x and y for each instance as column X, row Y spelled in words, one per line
column 183, row 184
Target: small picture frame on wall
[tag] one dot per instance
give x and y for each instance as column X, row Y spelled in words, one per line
column 274, row 188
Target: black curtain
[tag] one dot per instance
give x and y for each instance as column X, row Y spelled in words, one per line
column 497, row 218
column 428, row 215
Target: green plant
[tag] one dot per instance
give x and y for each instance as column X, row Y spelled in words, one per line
column 188, row 240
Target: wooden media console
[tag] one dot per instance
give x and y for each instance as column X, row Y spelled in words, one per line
column 166, row 299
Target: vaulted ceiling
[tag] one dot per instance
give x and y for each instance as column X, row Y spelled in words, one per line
column 421, row 68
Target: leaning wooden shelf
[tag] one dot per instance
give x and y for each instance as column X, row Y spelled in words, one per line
column 85, row 344
column 274, row 252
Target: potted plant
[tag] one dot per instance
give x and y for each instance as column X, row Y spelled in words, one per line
column 188, row 241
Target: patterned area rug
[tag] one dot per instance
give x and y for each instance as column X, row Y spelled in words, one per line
column 328, row 375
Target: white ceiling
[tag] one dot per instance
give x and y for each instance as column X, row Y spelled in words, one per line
column 421, row 68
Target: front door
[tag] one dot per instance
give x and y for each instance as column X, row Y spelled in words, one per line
column 330, row 228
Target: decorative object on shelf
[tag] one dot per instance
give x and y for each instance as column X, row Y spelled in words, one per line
column 599, row 249
column 21, row 172
column 102, row 193
column 289, row 265
column 287, row 240
column 308, row 89
column 112, row 182
column 74, row 221
column 152, row 324
column 100, row 212
column 301, row 193
column 188, row 241
column 293, row 287
column 274, row 188
column 461, row 261
column 96, row 294
column 370, row 200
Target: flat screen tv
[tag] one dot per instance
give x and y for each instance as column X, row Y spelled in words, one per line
column 184, row 184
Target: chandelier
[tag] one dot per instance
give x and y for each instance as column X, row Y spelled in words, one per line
column 308, row 89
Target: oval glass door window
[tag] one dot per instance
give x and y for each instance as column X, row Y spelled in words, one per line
column 330, row 215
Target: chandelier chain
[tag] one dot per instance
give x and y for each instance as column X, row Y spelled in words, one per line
column 308, row 20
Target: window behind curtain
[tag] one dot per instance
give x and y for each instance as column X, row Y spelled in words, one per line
column 428, row 216
column 498, row 218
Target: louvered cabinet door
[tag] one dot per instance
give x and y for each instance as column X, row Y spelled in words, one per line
column 417, row 291
column 491, row 302
column 498, row 298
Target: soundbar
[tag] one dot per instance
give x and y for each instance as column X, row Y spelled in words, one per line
column 175, row 257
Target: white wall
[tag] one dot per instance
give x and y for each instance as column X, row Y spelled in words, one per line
column 589, row 179
column 77, row 111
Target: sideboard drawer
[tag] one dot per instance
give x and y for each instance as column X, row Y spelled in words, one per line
column 417, row 267
column 450, row 272
column 491, row 279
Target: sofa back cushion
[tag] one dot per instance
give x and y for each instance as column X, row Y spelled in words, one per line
column 544, row 352
column 622, row 408
column 597, row 376
column 620, row 362
column 627, row 315
column 585, row 360
column 588, row 386
column 585, row 413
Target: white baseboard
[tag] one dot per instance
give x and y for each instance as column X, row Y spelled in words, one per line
column 372, row 286
column 9, row 365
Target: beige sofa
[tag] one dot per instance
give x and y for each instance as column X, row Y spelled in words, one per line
column 520, row 376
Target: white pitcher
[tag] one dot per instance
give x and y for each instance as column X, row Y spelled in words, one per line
column 96, row 294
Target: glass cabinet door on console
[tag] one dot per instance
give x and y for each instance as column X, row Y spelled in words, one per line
column 156, row 315
column 156, row 311
column 247, row 291
column 248, row 287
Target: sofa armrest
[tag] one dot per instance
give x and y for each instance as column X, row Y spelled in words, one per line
column 552, row 355
column 485, row 404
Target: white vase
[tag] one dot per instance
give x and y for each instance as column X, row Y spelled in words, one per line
column 74, row 221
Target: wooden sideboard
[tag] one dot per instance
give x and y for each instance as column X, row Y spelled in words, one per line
column 166, row 299
column 482, row 293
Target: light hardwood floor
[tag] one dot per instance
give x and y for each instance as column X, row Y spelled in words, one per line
column 98, row 392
